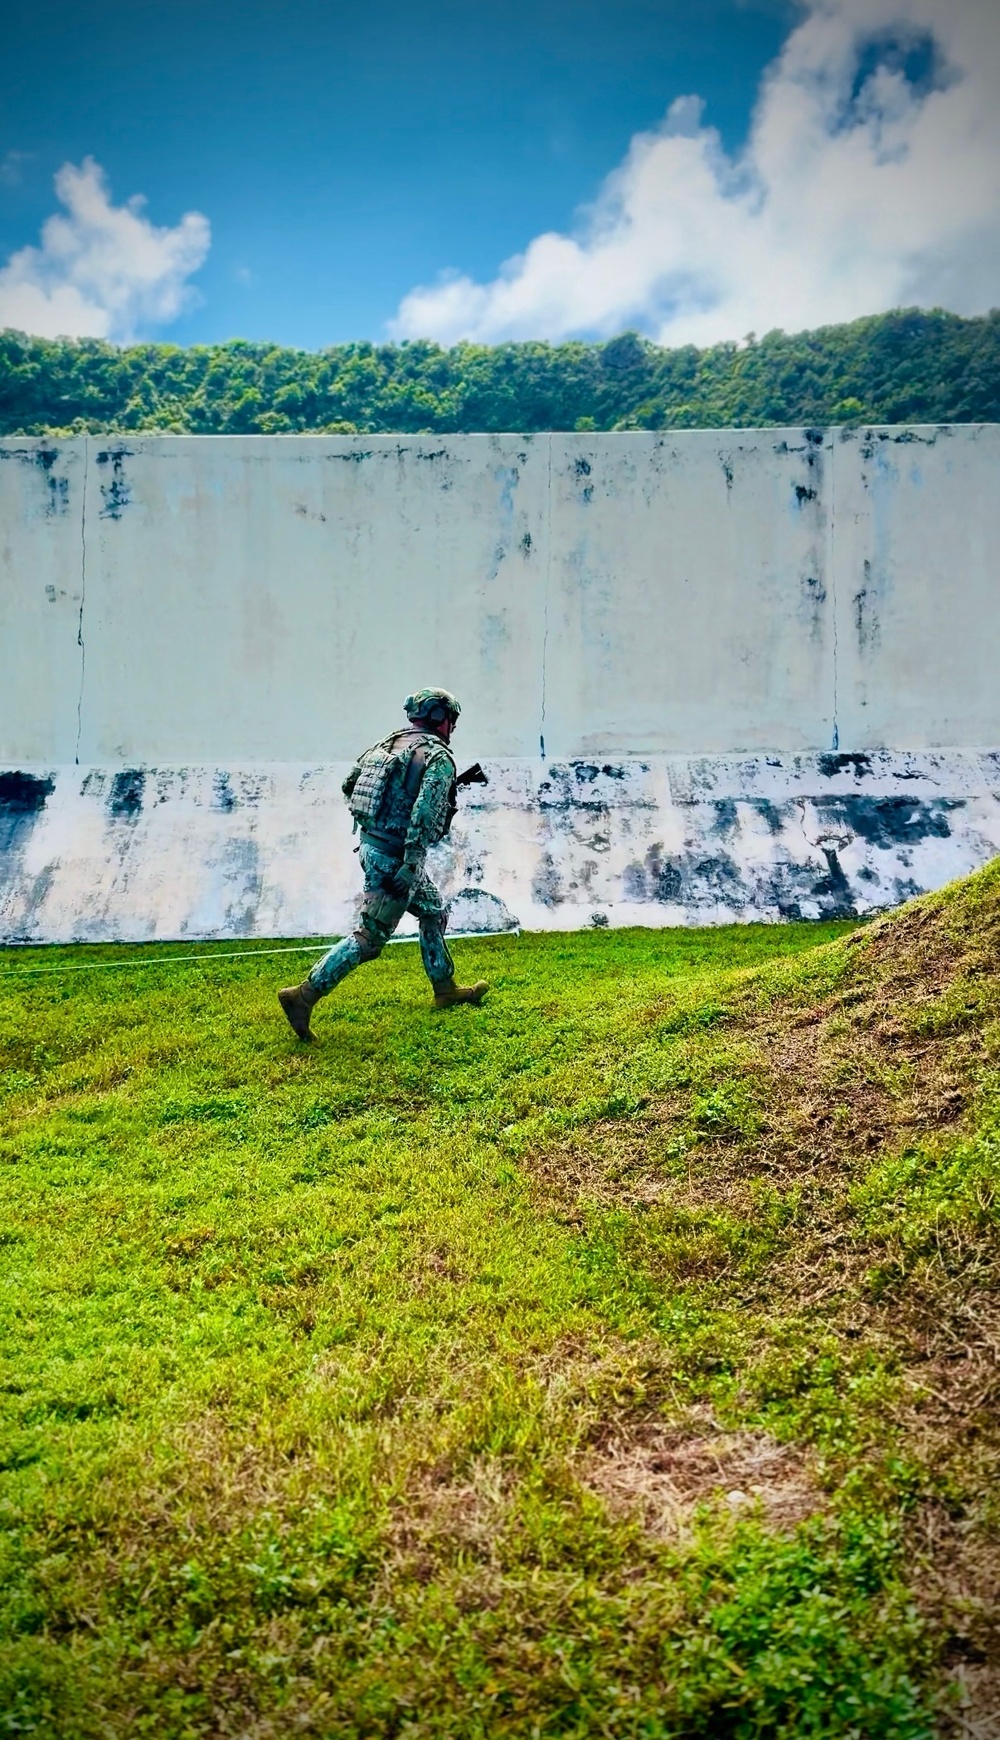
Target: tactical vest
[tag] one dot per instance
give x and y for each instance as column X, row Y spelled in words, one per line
column 402, row 756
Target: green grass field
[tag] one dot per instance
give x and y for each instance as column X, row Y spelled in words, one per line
column 611, row 1360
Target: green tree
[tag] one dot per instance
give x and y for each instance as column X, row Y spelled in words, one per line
column 909, row 366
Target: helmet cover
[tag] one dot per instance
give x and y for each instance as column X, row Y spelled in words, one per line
column 432, row 706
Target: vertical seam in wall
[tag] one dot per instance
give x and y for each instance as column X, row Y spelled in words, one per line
column 83, row 598
column 545, row 601
column 831, row 560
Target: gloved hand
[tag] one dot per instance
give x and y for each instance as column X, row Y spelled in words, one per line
column 400, row 882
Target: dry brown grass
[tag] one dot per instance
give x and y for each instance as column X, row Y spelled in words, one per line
column 444, row 1514
column 894, row 1053
column 662, row 1472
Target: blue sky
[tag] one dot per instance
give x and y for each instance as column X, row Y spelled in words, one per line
column 365, row 169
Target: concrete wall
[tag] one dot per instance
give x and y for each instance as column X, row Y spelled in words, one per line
column 195, row 633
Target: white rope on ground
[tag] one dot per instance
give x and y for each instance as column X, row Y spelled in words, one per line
column 159, row 960
column 230, row 955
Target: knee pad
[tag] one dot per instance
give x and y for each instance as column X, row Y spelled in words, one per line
column 369, row 946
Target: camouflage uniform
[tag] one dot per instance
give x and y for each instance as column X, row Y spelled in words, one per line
column 402, row 795
column 406, row 828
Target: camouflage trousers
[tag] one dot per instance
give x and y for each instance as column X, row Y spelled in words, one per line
column 380, row 915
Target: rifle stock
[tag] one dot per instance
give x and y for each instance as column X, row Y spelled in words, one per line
column 473, row 775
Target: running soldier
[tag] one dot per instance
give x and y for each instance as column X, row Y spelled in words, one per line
column 402, row 795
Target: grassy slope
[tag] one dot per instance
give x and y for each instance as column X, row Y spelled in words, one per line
column 618, row 1359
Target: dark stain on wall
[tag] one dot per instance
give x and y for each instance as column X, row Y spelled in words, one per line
column 771, row 813
column 43, row 459
column 699, row 880
column 798, row 890
column 904, row 888
column 836, row 887
column 23, row 793
column 876, row 438
column 125, row 797
column 866, row 622
column 116, row 494
column 526, row 545
column 565, row 774
column 546, row 886
column 812, row 439
column 562, row 810
column 854, row 761
column 718, row 879
column 23, row 797
column 652, row 880
column 888, row 822
column 58, row 502
column 813, row 451
column 57, row 488
column 813, row 597
column 223, row 796
column 807, row 494
column 569, row 789
column 586, row 772
column 242, row 869
column 655, row 878
column 582, row 469
column 726, row 820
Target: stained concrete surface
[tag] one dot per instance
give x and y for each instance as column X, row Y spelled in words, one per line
column 200, row 852
column 714, row 675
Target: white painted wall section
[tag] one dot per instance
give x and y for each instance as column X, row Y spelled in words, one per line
column 713, row 675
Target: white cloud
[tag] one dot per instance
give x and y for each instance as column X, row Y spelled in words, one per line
column 102, row 270
column 870, row 180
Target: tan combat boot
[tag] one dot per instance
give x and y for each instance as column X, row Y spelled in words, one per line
column 447, row 993
column 298, row 1002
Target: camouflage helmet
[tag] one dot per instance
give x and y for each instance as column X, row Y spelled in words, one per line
column 431, row 706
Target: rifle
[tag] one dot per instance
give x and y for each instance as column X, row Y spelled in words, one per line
column 473, row 775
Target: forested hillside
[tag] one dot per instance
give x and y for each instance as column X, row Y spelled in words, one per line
column 908, row 366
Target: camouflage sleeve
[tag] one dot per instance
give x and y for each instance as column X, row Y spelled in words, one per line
column 432, row 811
column 351, row 780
